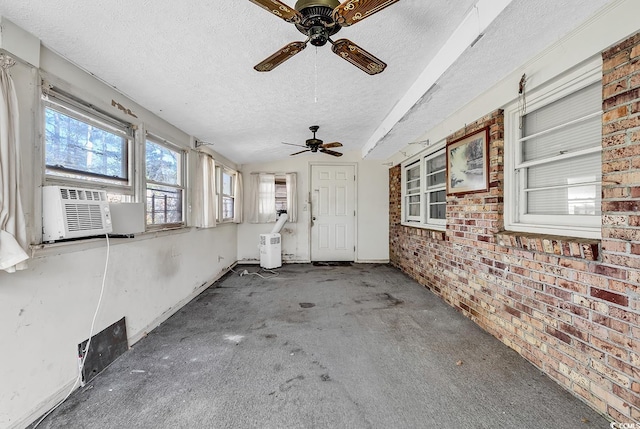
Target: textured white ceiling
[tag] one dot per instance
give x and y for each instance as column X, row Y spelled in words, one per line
column 192, row 62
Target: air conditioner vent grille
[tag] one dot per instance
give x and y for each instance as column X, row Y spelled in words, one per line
column 83, row 217
column 81, row 194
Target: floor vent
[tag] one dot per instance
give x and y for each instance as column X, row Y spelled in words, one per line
column 105, row 347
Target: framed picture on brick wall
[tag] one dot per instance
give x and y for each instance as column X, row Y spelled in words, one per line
column 468, row 163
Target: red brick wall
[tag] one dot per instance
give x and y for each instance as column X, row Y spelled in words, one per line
column 569, row 306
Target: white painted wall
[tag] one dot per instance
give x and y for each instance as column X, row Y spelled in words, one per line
column 46, row 310
column 372, row 241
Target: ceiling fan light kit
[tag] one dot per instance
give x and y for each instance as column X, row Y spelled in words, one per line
column 319, row 20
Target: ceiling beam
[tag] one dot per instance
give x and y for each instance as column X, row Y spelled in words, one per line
column 470, row 30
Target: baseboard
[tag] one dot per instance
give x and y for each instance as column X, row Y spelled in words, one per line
column 59, row 395
column 357, row 261
column 44, row 406
column 174, row 309
column 248, row 262
column 257, row 262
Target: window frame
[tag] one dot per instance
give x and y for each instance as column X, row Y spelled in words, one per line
column 281, row 181
column 515, row 218
column 427, row 190
column 417, row 192
column 424, row 220
column 84, row 112
column 221, row 171
column 181, row 178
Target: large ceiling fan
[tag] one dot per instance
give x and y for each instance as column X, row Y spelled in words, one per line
column 315, row 145
column 319, row 20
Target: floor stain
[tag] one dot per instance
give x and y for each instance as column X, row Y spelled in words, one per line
column 307, row 305
column 393, row 301
column 287, row 385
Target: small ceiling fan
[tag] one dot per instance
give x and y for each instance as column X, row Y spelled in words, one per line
column 319, row 20
column 316, row 145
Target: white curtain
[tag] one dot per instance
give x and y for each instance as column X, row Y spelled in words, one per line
column 262, row 199
column 204, row 198
column 267, row 198
column 292, row 197
column 238, row 196
column 252, row 206
column 13, row 230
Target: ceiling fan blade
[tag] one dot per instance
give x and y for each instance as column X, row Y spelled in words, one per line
column 279, row 9
column 328, row 145
column 292, row 144
column 330, row 152
column 353, row 11
column 358, row 56
column 302, row 151
column 280, row 57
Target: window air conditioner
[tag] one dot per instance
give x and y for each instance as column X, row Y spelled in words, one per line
column 74, row 212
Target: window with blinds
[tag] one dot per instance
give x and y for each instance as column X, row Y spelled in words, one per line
column 557, row 161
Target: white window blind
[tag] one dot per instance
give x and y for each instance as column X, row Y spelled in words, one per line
column 558, row 162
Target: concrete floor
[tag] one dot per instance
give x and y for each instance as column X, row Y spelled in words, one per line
column 321, row 347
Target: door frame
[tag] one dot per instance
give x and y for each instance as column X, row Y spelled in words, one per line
column 355, row 203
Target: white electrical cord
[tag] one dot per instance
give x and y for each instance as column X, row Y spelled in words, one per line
column 86, row 349
column 247, row 273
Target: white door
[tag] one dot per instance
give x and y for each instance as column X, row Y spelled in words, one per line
column 333, row 212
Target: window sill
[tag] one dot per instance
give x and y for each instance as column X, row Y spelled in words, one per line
column 424, row 230
column 226, row 222
column 425, row 226
column 573, row 247
column 64, row 247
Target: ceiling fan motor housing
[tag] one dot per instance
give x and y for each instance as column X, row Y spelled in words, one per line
column 313, row 143
column 317, row 22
